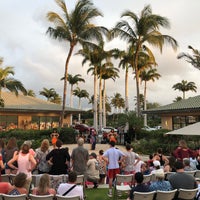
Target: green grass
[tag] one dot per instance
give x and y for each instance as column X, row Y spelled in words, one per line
column 99, row 194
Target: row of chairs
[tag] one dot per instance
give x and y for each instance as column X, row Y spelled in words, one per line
column 37, row 197
column 124, row 183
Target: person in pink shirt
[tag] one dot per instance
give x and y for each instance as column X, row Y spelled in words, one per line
column 26, row 163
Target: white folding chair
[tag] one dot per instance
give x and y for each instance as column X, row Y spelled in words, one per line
column 59, row 197
column 147, row 178
column 168, row 174
column 165, row 195
column 123, row 183
column 41, row 197
column 35, row 180
column 144, row 195
column 187, row 194
column 197, row 174
column 56, row 180
column 14, row 197
column 12, row 176
column 192, row 173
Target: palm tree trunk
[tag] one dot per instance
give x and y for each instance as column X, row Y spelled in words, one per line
column 104, row 103
column 100, row 103
column 71, row 104
column 126, row 91
column 95, row 101
column 79, row 106
column 145, row 102
column 65, row 85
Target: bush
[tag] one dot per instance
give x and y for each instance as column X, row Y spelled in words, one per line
column 67, row 135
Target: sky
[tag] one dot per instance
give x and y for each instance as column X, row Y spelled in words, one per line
column 39, row 60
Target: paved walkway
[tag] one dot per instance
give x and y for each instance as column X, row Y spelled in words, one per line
column 99, row 147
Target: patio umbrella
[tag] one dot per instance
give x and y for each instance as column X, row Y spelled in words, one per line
column 193, row 129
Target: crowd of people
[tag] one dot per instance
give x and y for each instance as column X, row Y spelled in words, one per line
column 97, row 169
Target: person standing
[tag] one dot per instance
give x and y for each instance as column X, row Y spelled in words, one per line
column 25, row 162
column 112, row 136
column 182, row 151
column 131, row 160
column 54, row 138
column 60, row 159
column 102, row 167
column 113, row 156
column 79, row 158
column 40, row 155
column 10, row 148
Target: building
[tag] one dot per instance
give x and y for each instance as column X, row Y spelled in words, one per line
column 179, row 114
column 25, row 112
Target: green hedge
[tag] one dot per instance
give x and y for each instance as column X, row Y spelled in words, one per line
column 67, row 135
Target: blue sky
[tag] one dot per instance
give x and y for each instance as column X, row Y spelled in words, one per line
column 39, row 61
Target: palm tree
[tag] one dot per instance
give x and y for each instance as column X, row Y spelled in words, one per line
column 185, row 86
column 9, row 83
column 117, row 101
column 56, row 99
column 48, row 93
column 193, row 59
column 108, row 73
column 80, row 94
column 74, row 28
column 178, row 98
column 31, row 93
column 139, row 31
column 145, row 76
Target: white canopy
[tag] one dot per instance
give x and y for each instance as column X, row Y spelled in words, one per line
column 193, row 129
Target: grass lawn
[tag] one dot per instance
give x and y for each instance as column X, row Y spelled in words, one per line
column 99, row 194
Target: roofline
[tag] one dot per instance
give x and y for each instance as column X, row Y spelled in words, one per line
column 170, row 111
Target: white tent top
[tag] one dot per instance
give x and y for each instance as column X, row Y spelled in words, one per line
column 193, row 129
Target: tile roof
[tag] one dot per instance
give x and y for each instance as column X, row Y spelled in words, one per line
column 191, row 104
column 21, row 102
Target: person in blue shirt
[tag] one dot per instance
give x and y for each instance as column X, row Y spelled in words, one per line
column 160, row 183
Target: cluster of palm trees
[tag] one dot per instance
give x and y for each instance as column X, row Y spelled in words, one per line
column 76, row 27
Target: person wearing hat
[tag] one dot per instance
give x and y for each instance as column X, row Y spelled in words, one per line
column 92, row 172
column 160, row 183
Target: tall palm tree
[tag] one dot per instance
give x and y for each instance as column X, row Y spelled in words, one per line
column 74, row 28
column 48, row 93
column 146, row 76
column 139, row 31
column 9, row 83
column 185, row 86
column 80, row 94
column 56, row 99
column 193, row 59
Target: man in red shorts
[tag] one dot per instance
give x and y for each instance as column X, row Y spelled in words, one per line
column 112, row 156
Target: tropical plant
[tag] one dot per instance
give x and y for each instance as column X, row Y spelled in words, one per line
column 139, row 31
column 56, row 99
column 146, row 76
column 74, row 28
column 73, row 80
column 11, row 84
column 48, row 93
column 185, row 86
column 80, row 94
column 117, row 101
column 31, row 93
column 193, row 59
column 178, row 98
